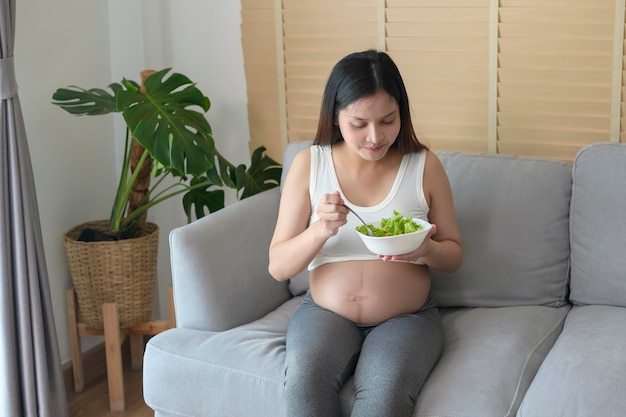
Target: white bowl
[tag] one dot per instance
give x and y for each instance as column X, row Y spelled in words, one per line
column 396, row 245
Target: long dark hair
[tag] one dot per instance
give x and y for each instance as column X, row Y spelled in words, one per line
column 358, row 75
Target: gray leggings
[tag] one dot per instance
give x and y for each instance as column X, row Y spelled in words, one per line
column 390, row 361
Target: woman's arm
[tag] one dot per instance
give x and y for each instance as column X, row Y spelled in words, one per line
column 295, row 243
column 442, row 249
column 445, row 251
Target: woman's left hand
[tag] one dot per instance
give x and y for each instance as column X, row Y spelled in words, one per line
column 417, row 253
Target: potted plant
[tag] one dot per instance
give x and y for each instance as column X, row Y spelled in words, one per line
column 167, row 136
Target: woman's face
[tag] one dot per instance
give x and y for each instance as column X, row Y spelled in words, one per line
column 370, row 125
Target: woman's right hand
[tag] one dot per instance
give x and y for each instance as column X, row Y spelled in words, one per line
column 331, row 214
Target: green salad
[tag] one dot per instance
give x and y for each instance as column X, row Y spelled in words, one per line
column 392, row 226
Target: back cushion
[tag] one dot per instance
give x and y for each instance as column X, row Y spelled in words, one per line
column 513, row 214
column 598, row 225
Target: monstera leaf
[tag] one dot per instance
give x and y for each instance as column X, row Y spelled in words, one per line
column 92, row 102
column 177, row 136
column 263, row 174
column 202, row 197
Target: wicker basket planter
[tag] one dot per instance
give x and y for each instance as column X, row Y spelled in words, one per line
column 122, row 272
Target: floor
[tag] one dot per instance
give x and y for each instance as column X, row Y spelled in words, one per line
column 93, row 401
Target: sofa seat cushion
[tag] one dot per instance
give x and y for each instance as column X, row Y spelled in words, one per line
column 489, row 359
column 585, row 373
column 489, row 354
column 236, row 372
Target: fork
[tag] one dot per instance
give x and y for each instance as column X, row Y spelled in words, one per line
column 369, row 232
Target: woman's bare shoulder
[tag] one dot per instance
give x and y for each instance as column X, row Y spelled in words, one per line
column 299, row 171
column 301, row 162
column 433, row 166
column 435, row 177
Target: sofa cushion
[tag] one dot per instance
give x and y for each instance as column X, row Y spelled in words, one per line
column 241, row 371
column 513, row 213
column 238, row 372
column 585, row 372
column 233, row 373
column 489, row 359
column 598, row 225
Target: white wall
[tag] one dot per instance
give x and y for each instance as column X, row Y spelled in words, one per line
column 76, row 160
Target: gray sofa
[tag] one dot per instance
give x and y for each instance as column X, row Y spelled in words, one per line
column 534, row 322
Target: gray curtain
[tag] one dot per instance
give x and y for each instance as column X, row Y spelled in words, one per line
column 31, row 380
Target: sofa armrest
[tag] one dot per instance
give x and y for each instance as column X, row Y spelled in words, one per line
column 220, row 266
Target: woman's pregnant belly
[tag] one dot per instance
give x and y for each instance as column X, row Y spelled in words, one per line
column 370, row 292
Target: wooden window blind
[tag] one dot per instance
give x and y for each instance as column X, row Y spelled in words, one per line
column 554, row 76
column 520, row 77
column 442, row 51
column 262, row 69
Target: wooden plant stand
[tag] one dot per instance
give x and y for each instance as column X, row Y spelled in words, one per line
column 113, row 339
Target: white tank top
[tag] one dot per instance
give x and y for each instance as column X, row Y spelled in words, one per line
column 406, row 196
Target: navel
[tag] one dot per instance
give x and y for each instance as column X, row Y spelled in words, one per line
column 356, row 298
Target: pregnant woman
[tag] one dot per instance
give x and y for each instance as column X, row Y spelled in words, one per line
column 367, row 315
